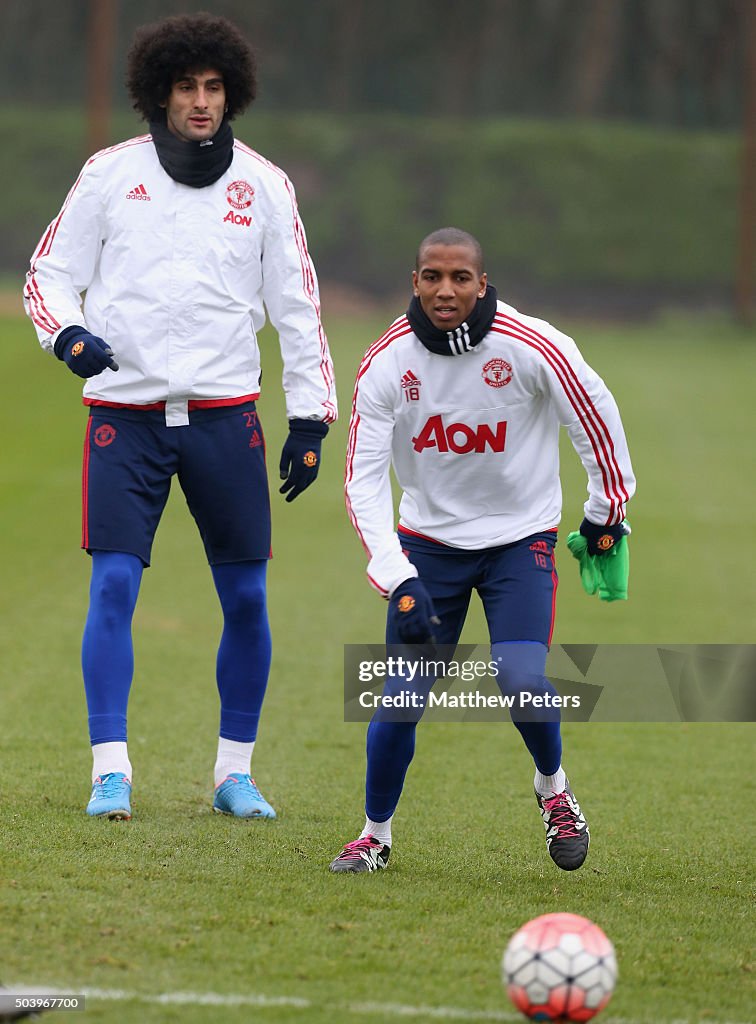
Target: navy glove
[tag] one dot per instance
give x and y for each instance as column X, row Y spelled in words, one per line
column 601, row 539
column 411, row 611
column 85, row 354
column 300, row 458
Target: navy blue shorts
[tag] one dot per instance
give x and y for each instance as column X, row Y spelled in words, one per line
column 517, row 584
column 130, row 457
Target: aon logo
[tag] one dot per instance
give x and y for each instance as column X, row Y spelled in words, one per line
column 460, row 437
column 237, row 218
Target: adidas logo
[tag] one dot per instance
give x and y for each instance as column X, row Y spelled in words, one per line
column 371, row 859
column 140, row 192
column 409, row 380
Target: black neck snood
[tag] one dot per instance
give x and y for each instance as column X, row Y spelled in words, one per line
column 465, row 337
column 193, row 163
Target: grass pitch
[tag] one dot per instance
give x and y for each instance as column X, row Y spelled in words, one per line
column 182, row 901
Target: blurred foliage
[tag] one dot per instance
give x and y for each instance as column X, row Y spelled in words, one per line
column 555, row 204
column 675, row 62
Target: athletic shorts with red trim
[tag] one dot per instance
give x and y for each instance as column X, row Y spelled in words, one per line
column 516, row 582
column 130, row 458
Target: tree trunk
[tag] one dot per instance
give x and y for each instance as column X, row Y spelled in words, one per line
column 747, row 247
column 595, row 56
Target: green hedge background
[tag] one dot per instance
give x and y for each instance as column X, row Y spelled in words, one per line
column 573, row 205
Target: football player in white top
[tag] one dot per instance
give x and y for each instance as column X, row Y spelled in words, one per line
column 465, row 397
column 152, row 284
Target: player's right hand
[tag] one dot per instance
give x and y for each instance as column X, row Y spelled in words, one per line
column 412, row 612
column 84, row 354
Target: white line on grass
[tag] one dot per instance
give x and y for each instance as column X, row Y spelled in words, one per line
column 197, row 999
column 386, row 1010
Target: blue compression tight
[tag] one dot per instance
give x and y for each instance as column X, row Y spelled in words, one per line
column 390, row 748
column 391, row 745
column 244, row 654
column 521, row 668
column 107, row 656
column 107, row 653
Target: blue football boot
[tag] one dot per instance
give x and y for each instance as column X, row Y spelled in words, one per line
column 238, row 795
column 111, row 797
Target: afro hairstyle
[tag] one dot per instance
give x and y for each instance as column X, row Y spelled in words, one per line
column 184, row 44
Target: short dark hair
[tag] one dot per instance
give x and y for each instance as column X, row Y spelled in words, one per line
column 452, row 236
column 185, row 43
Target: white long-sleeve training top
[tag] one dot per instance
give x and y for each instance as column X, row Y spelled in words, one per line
column 474, row 441
column 177, row 279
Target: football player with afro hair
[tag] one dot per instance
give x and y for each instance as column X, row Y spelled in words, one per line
column 153, row 283
column 163, row 52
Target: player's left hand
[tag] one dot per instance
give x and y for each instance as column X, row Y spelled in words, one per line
column 300, row 458
column 601, row 539
column 412, row 610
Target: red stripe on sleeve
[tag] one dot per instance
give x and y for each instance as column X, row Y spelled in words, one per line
column 397, row 330
column 588, row 404
column 41, row 315
column 594, row 426
column 308, row 278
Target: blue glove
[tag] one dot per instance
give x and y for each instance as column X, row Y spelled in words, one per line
column 601, row 539
column 411, row 611
column 85, row 354
column 300, row 458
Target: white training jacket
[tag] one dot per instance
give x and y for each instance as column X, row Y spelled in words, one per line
column 174, row 278
column 474, row 441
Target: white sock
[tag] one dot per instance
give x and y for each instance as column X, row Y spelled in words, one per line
column 110, row 757
column 232, row 757
column 547, row 785
column 380, row 830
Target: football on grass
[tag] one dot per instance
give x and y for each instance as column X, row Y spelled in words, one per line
column 559, row 967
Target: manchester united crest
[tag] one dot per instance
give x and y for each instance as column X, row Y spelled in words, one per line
column 104, row 435
column 240, row 195
column 496, row 373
